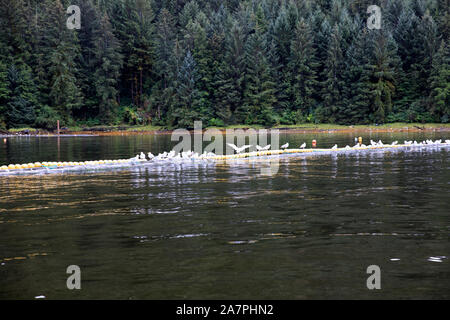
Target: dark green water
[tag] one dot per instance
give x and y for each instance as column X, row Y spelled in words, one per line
column 223, row 231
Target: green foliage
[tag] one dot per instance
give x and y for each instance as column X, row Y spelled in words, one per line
column 224, row 62
column 47, row 118
column 259, row 92
column 20, row 105
column 440, row 84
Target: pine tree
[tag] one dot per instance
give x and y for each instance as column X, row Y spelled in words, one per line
column 88, row 63
column 21, row 103
column 4, row 93
column 440, row 84
column 186, row 111
column 357, row 93
column 417, row 40
column 217, row 45
column 132, row 21
column 303, row 67
column 166, row 63
column 15, row 31
column 107, row 71
column 231, row 76
column 259, row 94
column 384, row 63
column 57, row 52
column 279, row 52
column 333, row 85
column 195, row 41
column 64, row 93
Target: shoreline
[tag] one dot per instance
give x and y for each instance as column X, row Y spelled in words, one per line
column 301, row 128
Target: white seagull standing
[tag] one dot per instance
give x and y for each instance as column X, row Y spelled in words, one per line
column 150, row 156
column 285, row 146
column 334, row 147
column 238, row 149
column 303, row 146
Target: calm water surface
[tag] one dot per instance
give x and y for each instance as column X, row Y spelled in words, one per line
column 224, row 231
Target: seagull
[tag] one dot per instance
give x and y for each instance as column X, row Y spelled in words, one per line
column 171, row 154
column 285, row 146
column 263, row 148
column 380, row 143
column 373, row 142
column 161, row 156
column 150, row 156
column 238, row 149
column 347, row 147
column 303, row 146
column 334, row 147
column 408, row 143
column 186, row 155
column 394, row 143
column 142, row 156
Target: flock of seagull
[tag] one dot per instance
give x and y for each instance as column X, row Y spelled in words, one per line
column 172, row 155
column 190, row 155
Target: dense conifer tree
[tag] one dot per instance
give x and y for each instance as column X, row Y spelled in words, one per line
column 224, row 62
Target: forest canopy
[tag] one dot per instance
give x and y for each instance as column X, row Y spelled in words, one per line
column 223, row 62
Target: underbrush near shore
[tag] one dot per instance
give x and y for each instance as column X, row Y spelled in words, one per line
column 399, row 126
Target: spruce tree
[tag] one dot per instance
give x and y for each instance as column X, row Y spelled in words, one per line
column 231, row 76
column 357, row 75
column 21, row 103
column 440, row 84
column 186, row 110
column 259, row 93
column 166, row 64
column 107, row 70
column 385, row 64
column 333, row 85
column 303, row 68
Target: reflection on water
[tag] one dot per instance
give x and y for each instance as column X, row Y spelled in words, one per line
column 223, row 230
